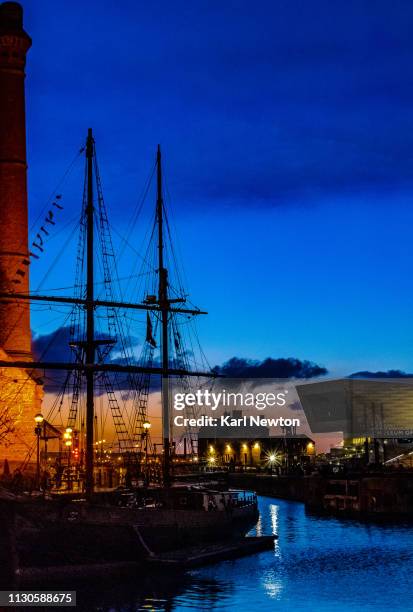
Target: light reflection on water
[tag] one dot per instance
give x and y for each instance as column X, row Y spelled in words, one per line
column 318, row 564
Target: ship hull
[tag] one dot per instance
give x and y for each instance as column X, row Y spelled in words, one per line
column 56, row 538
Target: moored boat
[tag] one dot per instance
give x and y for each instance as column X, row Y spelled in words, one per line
column 60, row 531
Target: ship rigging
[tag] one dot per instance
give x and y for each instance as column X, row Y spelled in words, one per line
column 90, row 350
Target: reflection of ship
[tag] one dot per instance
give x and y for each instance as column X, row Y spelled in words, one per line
column 138, row 523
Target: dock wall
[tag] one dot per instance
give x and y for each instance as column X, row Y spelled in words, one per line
column 293, row 488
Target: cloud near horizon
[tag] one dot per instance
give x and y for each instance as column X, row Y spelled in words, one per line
column 388, row 374
column 290, row 367
column 54, row 346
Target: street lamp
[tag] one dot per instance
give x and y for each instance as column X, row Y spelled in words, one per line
column 38, row 419
column 245, row 450
column 146, row 427
column 67, row 436
column 272, row 459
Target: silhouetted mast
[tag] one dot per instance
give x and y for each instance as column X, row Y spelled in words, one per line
column 90, row 323
column 164, row 307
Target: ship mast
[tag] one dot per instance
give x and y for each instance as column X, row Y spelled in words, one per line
column 164, row 308
column 163, row 305
column 90, row 322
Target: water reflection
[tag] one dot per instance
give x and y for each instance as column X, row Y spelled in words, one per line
column 274, row 518
column 321, row 564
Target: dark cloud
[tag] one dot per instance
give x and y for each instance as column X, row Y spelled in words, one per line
column 55, row 347
column 270, row 368
column 388, row 374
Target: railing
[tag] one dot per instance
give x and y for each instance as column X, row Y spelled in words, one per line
column 243, row 499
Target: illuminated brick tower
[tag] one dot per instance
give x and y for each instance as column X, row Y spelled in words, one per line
column 20, row 392
column 15, row 337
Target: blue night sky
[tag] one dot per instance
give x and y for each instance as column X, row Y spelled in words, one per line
column 287, row 133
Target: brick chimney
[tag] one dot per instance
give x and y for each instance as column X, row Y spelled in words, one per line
column 15, row 335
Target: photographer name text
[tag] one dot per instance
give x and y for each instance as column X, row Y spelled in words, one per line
column 228, row 421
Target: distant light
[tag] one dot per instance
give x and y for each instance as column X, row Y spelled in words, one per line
column 39, row 418
column 244, row 447
column 68, row 443
column 273, row 458
column 256, row 446
column 211, row 459
column 195, row 459
column 211, row 449
column 68, row 430
column 146, row 425
column 228, row 447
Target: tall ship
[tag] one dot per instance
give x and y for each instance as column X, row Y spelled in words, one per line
column 92, row 504
column 74, row 523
